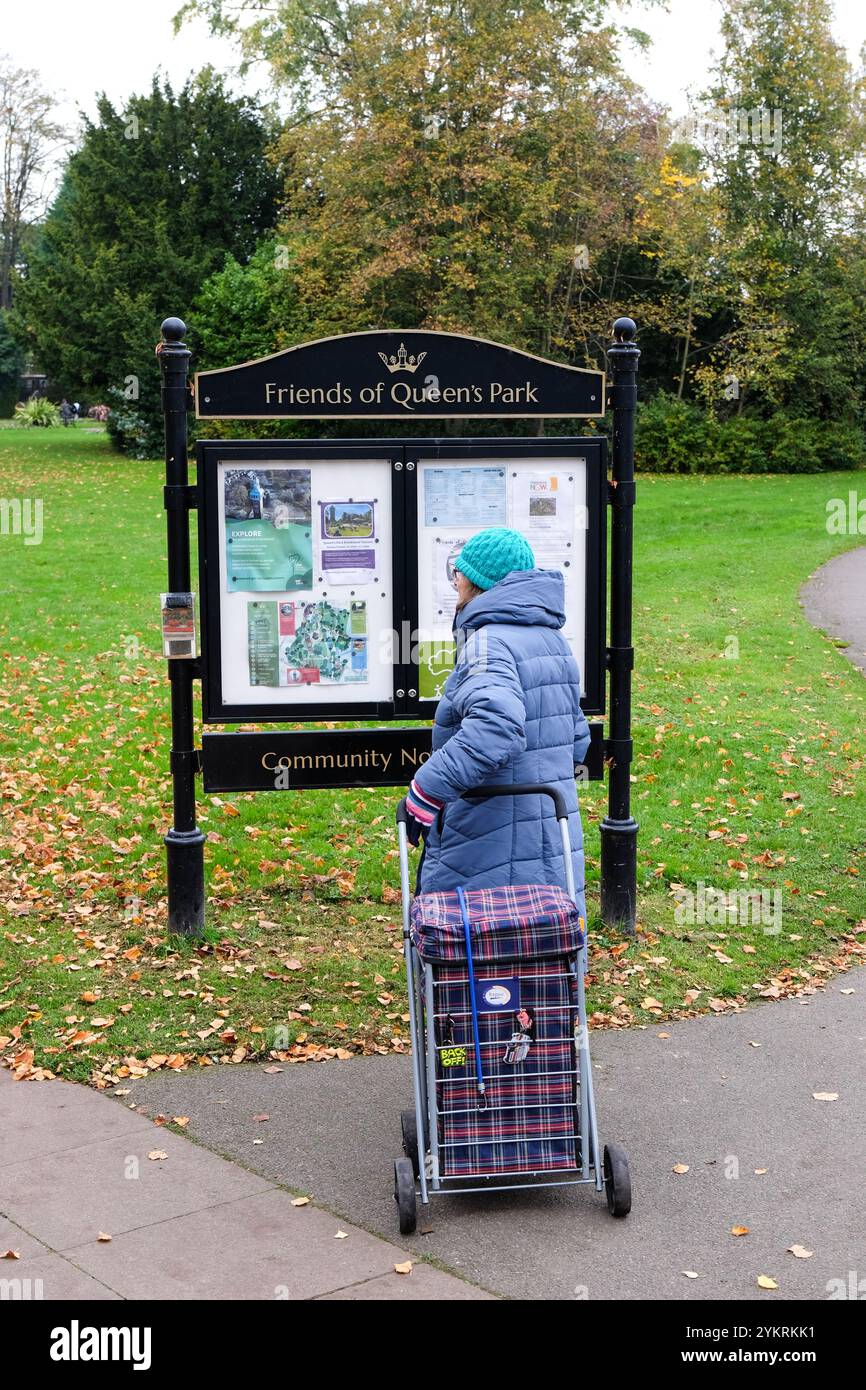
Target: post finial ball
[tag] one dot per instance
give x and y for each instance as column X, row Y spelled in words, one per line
column 173, row 330
column 624, row 330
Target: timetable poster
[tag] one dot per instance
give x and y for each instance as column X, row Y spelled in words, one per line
column 473, row 496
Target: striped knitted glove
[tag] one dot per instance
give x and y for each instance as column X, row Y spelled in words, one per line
column 421, row 811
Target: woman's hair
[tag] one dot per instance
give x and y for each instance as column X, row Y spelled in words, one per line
column 474, row 591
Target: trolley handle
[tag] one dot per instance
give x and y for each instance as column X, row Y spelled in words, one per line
column 506, row 789
column 525, row 789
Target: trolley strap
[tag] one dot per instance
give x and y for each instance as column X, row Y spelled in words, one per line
column 482, row 1103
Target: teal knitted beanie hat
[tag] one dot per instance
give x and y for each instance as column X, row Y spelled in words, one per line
column 489, row 556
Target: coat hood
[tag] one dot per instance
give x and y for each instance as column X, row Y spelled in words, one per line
column 531, row 598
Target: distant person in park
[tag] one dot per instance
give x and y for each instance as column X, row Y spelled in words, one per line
column 255, row 499
column 67, row 414
column 510, row 712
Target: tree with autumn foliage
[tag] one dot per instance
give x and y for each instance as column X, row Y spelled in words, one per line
column 468, row 167
column 787, row 167
column 489, row 169
column 679, row 223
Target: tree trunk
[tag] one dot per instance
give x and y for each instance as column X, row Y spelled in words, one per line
column 687, row 342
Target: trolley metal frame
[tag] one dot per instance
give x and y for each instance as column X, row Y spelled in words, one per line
column 608, row 1172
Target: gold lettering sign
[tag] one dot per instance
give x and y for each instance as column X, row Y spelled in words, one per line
column 413, row 757
column 370, row 758
column 407, row 395
column 375, row 373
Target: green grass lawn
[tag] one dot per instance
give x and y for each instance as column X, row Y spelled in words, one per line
column 749, row 742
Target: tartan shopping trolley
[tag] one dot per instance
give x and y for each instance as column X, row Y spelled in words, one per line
column 501, row 1068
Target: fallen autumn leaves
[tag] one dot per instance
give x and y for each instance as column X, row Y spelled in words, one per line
column 210, row 984
column 143, row 965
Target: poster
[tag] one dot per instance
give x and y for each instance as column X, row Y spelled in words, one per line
column 543, row 510
column 268, row 529
column 263, row 643
column 347, row 541
column 542, row 503
column 178, row 625
column 445, row 552
column 457, row 496
column 295, row 642
column 435, row 664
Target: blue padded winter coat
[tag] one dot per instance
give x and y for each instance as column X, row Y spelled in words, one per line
column 510, row 712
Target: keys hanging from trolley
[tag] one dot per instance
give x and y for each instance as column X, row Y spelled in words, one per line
column 520, row 1041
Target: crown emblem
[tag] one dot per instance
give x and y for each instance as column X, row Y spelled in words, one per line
column 401, row 361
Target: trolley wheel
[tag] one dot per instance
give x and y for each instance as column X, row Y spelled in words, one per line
column 617, row 1182
column 410, row 1139
column 404, row 1195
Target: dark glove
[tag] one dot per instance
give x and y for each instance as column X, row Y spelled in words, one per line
column 421, row 811
column 414, row 828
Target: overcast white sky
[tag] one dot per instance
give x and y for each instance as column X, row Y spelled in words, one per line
column 117, row 45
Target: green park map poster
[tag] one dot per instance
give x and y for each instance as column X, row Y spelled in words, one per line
column 307, row 642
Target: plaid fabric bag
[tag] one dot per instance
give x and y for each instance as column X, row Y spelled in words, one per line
column 520, row 922
column 531, row 1119
column 524, row 940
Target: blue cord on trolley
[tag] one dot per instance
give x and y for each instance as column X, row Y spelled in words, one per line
column 467, row 931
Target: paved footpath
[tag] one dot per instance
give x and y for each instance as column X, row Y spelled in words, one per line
column 74, row 1164
column 705, row 1096
column 834, row 600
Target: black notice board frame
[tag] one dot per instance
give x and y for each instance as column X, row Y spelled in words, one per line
column 403, row 456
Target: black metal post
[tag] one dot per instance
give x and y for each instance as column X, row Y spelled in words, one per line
column 619, row 828
column 184, row 841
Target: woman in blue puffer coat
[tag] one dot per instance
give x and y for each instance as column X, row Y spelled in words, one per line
column 510, row 712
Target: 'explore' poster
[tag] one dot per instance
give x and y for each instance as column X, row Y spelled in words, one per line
column 268, row 529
